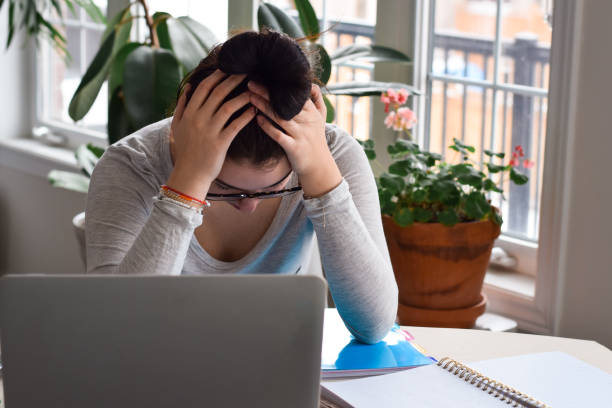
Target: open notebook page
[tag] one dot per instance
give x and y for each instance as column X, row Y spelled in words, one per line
column 555, row 378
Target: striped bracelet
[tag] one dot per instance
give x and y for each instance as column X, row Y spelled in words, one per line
column 175, row 195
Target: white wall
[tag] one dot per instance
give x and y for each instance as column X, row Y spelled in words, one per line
column 585, row 295
column 35, row 219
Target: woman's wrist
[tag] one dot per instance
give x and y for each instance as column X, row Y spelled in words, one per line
column 188, row 183
column 321, row 181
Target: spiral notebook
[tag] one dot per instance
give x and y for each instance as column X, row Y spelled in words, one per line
column 552, row 379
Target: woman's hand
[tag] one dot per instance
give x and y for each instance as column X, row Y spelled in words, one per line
column 304, row 140
column 198, row 139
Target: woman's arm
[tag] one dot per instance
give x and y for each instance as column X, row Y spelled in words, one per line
column 130, row 231
column 346, row 214
column 352, row 245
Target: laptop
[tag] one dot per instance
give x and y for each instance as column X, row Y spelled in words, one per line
column 161, row 341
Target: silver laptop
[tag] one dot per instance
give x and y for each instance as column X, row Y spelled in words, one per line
column 161, row 341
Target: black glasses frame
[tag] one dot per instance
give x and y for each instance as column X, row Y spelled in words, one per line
column 240, row 196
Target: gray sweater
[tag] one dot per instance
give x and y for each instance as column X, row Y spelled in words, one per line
column 130, row 231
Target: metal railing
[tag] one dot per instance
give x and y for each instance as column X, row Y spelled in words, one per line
column 528, row 63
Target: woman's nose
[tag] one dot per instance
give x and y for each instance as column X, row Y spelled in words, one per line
column 249, row 205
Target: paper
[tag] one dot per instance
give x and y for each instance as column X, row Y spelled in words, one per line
column 555, row 378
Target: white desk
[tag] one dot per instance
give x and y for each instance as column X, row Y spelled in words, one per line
column 473, row 345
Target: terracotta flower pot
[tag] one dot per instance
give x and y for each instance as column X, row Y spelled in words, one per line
column 440, row 270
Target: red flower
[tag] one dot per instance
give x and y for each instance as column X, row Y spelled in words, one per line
column 528, row 163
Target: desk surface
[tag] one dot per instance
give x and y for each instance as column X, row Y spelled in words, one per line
column 473, row 345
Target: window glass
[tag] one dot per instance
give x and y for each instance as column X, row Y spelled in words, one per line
column 349, row 22
column 495, row 115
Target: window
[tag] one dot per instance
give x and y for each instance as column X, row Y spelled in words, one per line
column 487, row 81
column 349, row 22
column 58, row 78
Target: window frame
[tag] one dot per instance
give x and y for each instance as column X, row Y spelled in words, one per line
column 69, row 135
column 538, row 260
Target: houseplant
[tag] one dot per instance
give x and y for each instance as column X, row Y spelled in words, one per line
column 439, row 222
column 272, row 17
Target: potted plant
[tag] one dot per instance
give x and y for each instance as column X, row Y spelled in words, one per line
column 439, row 222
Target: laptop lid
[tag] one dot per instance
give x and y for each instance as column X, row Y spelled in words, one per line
column 161, row 341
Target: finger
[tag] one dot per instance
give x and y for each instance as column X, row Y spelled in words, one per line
column 259, row 89
column 265, row 107
column 229, row 108
column 203, row 90
column 180, row 105
column 284, row 140
column 317, row 98
column 220, row 92
column 230, row 132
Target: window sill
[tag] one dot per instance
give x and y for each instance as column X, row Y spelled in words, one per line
column 511, row 281
column 33, row 157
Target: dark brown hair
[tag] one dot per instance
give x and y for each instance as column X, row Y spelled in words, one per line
column 269, row 58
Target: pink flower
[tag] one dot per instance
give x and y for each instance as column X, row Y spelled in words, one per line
column 407, row 117
column 519, row 150
column 528, row 163
column 390, row 119
column 392, row 95
column 514, row 162
column 384, row 99
column 402, row 96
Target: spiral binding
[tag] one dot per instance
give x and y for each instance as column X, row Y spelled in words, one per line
column 507, row 394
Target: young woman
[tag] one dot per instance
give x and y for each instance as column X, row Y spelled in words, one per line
column 248, row 137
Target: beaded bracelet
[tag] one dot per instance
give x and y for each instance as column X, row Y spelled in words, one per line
column 183, row 199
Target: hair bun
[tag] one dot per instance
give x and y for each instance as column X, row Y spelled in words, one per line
column 274, row 60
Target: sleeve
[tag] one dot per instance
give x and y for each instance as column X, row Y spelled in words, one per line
column 353, row 248
column 127, row 229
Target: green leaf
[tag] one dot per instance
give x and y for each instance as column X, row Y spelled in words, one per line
column 422, row 214
column 460, row 169
column 517, row 177
column 11, row 23
column 326, row 65
column 431, row 158
column 268, row 15
column 86, row 159
column 69, row 181
column 419, row 195
column 470, row 180
column 394, row 184
column 330, row 110
column 161, row 27
column 189, row 40
column 476, row 205
column 368, row 53
column 494, row 168
column 370, row 88
column 115, row 78
column 92, row 81
column 448, row 217
column 403, row 147
column 308, row 18
column 495, row 217
column 98, row 151
column 370, row 153
column 92, row 10
column 150, row 80
column 403, row 217
column 113, row 39
column 490, row 154
column 386, row 205
column 119, row 124
column 400, row 168
column 489, row 185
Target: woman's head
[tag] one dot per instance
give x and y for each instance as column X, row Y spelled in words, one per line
column 273, row 60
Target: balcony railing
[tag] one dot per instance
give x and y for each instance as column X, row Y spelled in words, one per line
column 466, row 64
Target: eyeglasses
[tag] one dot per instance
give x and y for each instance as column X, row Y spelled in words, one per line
column 262, row 195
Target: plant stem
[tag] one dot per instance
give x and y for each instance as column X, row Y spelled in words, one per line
column 149, row 21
